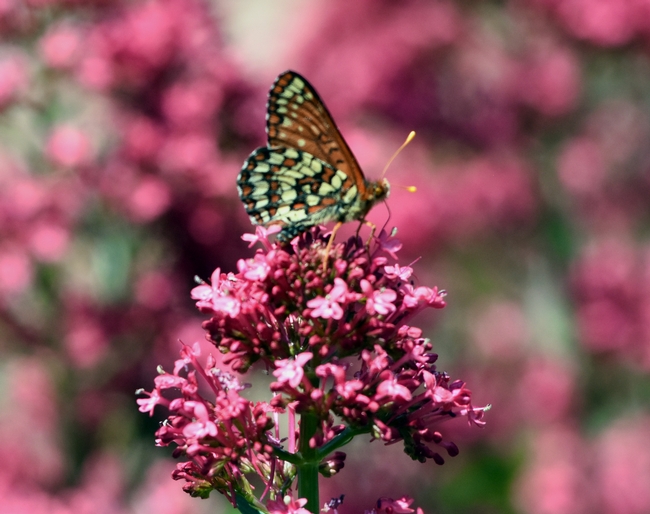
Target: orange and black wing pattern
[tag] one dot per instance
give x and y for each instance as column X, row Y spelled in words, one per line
column 307, row 175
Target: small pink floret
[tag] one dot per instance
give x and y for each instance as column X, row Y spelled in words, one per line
column 261, row 234
column 400, row 506
column 397, row 271
column 329, row 306
column 391, row 389
column 287, row 506
column 256, row 268
column 290, row 370
column 378, row 302
column 148, row 404
column 390, row 245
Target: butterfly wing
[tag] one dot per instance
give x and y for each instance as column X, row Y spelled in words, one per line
column 307, row 175
column 294, row 189
column 297, row 118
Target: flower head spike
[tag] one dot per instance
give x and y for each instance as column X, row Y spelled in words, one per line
column 342, row 354
column 295, row 316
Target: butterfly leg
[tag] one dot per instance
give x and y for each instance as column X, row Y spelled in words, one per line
column 373, row 229
column 329, row 244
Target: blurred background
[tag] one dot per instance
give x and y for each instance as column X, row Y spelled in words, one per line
column 123, row 125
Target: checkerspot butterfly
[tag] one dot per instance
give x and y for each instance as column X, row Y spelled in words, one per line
column 307, row 175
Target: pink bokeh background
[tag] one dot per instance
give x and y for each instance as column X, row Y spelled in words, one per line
column 123, row 125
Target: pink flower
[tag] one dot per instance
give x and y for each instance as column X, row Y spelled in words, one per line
column 397, row 271
column 189, row 354
column 256, row 268
column 61, row 47
column 376, row 362
column 331, row 370
column 421, row 296
column 287, row 505
column 13, row 79
column 227, row 304
column 149, row 199
column 205, row 292
column 399, row 506
column 148, row 404
column 16, row 271
column 166, row 381
column 69, row 147
column 48, row 241
column 203, row 426
column 290, row 371
column 389, row 244
column 216, row 297
column 391, row 389
column 262, row 235
column 378, row 302
column 350, row 388
column 329, row 306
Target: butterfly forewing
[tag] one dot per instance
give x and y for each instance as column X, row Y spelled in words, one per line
column 298, row 118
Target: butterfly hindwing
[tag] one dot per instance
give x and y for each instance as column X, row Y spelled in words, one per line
column 293, row 188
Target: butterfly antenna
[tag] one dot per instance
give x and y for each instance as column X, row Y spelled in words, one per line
column 409, row 138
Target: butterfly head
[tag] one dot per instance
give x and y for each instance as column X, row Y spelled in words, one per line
column 378, row 190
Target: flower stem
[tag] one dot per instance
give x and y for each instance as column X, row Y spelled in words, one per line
column 341, row 440
column 308, row 469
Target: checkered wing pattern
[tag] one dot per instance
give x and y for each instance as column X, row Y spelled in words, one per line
column 307, row 175
column 298, row 118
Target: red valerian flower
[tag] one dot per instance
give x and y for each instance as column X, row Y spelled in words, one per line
column 330, row 305
column 222, row 437
column 337, row 341
column 290, row 370
column 305, row 322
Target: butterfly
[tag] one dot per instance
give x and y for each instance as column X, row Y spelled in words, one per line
column 307, row 174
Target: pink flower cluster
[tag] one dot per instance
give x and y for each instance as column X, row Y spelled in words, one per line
column 608, row 23
column 611, row 286
column 337, row 341
column 282, row 301
column 222, row 438
column 308, row 323
column 36, row 220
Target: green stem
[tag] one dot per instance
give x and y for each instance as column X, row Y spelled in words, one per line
column 341, row 440
column 308, row 469
column 293, row 458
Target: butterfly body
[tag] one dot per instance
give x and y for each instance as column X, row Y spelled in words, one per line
column 307, row 175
